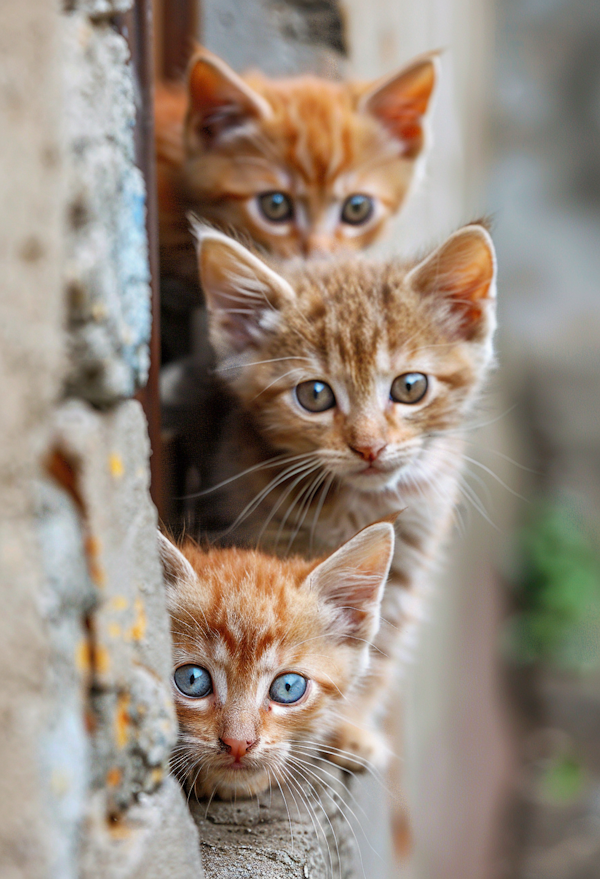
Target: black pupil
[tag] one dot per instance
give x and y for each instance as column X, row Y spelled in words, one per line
column 409, row 388
column 315, row 396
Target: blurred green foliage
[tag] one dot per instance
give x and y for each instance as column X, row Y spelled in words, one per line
column 557, row 592
column 562, row 781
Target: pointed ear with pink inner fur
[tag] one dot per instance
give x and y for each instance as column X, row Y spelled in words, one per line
column 220, row 100
column 351, row 583
column 176, row 568
column 462, row 275
column 242, row 293
column 401, row 101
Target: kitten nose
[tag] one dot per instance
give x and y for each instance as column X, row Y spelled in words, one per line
column 319, row 245
column 237, row 747
column 370, row 452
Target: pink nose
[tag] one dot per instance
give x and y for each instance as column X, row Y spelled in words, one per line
column 371, row 452
column 237, row 747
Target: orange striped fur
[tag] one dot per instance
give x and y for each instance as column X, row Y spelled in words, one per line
column 247, row 618
column 290, row 479
column 224, row 139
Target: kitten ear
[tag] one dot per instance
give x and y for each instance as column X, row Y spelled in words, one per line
column 176, row 567
column 352, row 579
column 463, row 273
column 401, row 101
column 243, row 294
column 220, row 100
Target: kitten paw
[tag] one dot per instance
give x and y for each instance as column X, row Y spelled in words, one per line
column 357, row 749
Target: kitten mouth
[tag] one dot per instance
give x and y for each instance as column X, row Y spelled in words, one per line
column 371, row 468
column 240, row 765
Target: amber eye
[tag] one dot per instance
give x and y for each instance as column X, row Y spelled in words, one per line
column 409, row 388
column 276, row 206
column 315, row 396
column 357, row 209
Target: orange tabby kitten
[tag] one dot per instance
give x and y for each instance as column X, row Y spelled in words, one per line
column 349, row 382
column 300, row 165
column 264, row 653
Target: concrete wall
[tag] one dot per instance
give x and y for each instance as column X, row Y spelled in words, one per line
column 87, row 721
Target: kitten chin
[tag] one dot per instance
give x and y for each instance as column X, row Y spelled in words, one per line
column 229, row 784
column 265, row 652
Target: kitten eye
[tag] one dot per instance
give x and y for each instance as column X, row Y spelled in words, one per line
column 276, row 206
column 357, row 209
column 315, row 396
column 288, row 688
column 409, row 388
column 193, row 680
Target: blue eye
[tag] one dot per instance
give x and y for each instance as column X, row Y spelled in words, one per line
column 288, row 688
column 193, row 680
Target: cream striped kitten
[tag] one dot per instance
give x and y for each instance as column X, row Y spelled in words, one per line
column 344, row 387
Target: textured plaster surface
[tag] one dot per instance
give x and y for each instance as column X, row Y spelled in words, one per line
column 125, row 650
column 31, row 315
column 107, row 263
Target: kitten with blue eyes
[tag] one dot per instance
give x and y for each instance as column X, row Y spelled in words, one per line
column 264, row 652
column 343, row 388
column 299, row 166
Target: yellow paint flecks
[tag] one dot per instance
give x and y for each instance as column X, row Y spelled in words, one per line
column 113, row 776
column 83, row 656
column 138, row 629
column 101, row 659
column 115, row 465
column 98, row 574
column 114, row 630
column 122, row 720
column 118, row 602
column 93, row 548
column 119, row 828
column 156, row 776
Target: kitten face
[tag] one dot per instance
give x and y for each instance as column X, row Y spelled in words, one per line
column 303, row 165
column 264, row 651
column 362, row 367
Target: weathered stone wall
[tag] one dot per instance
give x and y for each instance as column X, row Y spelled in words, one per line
column 87, row 721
